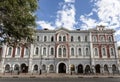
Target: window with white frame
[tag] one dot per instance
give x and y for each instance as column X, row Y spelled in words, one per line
column 45, row 38
column 51, row 68
column 72, row 39
column 52, row 39
column 60, row 52
column 87, row 51
column 18, row 51
column 9, row 51
column 79, row 39
column 72, row 51
column 36, row 51
column 64, row 52
column 96, row 51
column 110, row 39
column 64, row 38
column 103, row 51
column 37, row 38
column 26, row 51
column 86, row 38
column 52, row 51
column 44, row 51
column 102, row 38
column 60, row 39
column 112, row 51
column 44, row 67
column 94, row 39
column 79, row 52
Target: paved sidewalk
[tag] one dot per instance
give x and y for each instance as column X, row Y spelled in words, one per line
column 54, row 75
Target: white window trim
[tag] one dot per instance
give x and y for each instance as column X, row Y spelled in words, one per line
column 113, row 52
column 97, row 52
column 35, row 51
column 16, row 49
column 8, row 51
column 105, row 52
column 25, row 55
column 78, row 52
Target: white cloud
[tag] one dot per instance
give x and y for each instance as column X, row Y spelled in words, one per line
column 108, row 12
column 66, row 16
column 87, row 22
column 69, row 1
column 46, row 25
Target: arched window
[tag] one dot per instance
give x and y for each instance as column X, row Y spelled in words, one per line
column 7, row 68
column 35, row 68
column 87, row 52
column 51, row 68
column 110, row 39
column 36, row 51
column 60, row 52
column 37, row 38
column 60, row 38
column 52, row 51
column 64, row 38
column 16, row 67
column 94, row 39
column 79, row 52
column 9, row 51
column 64, row 52
column 102, row 38
column 72, row 51
column 95, row 51
column 44, row 51
column 26, row 51
column 52, row 39
column 72, row 38
column 86, row 38
column 105, row 68
column 45, row 38
column 79, row 39
column 44, row 67
column 112, row 51
column 18, row 51
column 103, row 52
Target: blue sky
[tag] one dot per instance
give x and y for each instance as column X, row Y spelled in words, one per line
column 83, row 14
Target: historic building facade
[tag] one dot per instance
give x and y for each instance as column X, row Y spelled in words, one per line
column 64, row 51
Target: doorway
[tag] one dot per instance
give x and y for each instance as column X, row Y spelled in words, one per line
column 62, row 68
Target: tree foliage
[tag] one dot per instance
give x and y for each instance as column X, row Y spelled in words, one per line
column 17, row 20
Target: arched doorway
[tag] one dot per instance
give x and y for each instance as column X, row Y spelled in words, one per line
column 80, row 68
column 114, row 69
column 24, row 68
column 106, row 68
column 87, row 69
column 7, row 68
column 97, row 68
column 62, row 68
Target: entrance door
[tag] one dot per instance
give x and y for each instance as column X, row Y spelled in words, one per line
column 62, row 68
column 80, row 68
column 24, row 68
column 97, row 68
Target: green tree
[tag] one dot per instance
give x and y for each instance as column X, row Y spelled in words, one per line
column 17, row 20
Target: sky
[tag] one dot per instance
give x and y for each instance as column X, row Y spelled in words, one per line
column 79, row 14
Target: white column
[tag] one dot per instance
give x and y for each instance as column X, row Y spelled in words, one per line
column 91, row 50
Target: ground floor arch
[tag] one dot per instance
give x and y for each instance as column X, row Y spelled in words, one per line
column 87, row 69
column 97, row 68
column 80, row 68
column 61, row 68
column 24, row 68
